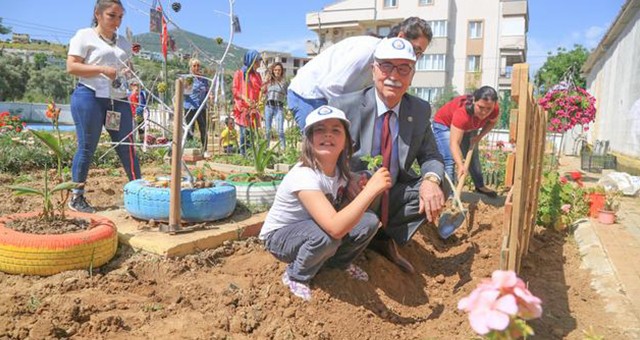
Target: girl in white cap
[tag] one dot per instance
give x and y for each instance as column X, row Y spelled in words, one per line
column 305, row 227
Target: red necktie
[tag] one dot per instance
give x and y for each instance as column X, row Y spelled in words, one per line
column 386, row 145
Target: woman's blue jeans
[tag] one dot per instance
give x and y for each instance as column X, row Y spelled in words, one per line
column 301, row 107
column 307, row 248
column 443, row 135
column 276, row 112
column 89, row 114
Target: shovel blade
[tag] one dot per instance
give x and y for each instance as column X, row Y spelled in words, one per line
column 449, row 222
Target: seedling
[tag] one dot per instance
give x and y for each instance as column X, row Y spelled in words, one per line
column 373, row 162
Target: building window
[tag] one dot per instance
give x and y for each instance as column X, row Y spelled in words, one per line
column 431, row 62
column 439, row 28
column 383, row 31
column 425, row 2
column 429, row 94
column 283, row 60
column 475, row 29
column 390, row 3
column 473, row 63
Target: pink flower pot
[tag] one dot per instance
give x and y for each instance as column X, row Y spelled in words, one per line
column 606, row 217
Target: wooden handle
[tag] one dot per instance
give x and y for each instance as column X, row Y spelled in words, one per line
column 467, row 161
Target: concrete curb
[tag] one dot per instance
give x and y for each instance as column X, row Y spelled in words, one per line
column 604, row 278
column 167, row 245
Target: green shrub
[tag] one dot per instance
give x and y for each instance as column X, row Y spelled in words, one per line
column 560, row 202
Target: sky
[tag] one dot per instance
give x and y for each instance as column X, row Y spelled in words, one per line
column 279, row 25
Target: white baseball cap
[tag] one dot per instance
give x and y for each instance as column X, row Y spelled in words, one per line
column 394, row 48
column 324, row 112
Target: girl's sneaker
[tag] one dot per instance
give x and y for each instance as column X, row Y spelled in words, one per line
column 298, row 289
column 357, row 273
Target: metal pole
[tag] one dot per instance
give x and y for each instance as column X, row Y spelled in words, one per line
column 176, row 165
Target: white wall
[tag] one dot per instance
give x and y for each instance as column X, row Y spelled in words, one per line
column 615, row 82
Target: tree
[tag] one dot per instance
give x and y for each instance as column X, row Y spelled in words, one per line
column 14, row 74
column 564, row 65
column 4, row 29
column 50, row 83
column 506, row 104
column 447, row 94
column 40, row 60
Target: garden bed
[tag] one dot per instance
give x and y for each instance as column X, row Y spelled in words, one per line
column 235, row 291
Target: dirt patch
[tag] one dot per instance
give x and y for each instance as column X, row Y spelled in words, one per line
column 234, row 292
column 37, row 225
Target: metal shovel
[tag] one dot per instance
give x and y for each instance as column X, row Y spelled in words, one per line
column 451, row 220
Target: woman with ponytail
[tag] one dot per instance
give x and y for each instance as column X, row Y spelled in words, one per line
column 100, row 58
column 456, row 126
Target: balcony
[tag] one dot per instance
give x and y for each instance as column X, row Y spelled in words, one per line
column 514, row 7
column 342, row 14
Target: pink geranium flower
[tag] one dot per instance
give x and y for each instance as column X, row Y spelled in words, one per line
column 497, row 302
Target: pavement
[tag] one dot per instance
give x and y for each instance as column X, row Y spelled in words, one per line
column 612, row 254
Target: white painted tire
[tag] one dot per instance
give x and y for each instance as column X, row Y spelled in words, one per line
column 255, row 193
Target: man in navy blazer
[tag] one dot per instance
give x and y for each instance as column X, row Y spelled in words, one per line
column 413, row 198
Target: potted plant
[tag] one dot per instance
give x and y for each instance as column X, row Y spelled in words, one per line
column 258, row 188
column 607, row 215
column 568, row 105
column 596, row 197
column 32, row 242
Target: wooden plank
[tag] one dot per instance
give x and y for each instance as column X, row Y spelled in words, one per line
column 513, row 125
column 517, row 219
column 504, row 253
column 542, row 128
column 511, row 167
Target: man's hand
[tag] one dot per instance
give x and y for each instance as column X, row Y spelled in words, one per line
column 431, row 200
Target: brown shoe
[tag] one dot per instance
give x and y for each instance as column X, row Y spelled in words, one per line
column 389, row 249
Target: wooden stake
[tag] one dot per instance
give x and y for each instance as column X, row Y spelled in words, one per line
column 176, row 161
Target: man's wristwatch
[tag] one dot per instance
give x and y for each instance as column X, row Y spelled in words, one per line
column 432, row 178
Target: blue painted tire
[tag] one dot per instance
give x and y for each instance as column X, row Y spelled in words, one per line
column 197, row 205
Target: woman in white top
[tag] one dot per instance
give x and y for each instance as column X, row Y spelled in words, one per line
column 345, row 67
column 305, row 226
column 99, row 57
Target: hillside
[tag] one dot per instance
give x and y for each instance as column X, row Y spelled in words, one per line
column 185, row 41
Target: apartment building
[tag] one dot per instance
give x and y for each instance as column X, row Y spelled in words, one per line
column 475, row 42
column 290, row 63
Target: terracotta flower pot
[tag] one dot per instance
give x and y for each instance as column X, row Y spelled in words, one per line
column 606, row 217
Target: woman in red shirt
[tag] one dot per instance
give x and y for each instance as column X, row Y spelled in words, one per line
column 247, row 83
column 456, row 125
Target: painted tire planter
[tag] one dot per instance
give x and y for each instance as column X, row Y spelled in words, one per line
column 197, row 205
column 48, row 254
column 256, row 193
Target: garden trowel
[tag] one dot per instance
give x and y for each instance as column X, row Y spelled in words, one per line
column 451, row 220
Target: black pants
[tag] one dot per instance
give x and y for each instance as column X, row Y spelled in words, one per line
column 404, row 218
column 202, row 125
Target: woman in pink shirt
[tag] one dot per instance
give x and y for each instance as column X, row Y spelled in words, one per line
column 456, row 125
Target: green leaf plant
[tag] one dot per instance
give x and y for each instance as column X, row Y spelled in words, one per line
column 373, row 162
column 48, row 210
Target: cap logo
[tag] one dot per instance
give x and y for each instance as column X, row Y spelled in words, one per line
column 398, row 44
column 324, row 111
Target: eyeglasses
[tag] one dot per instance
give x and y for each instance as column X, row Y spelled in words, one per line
column 387, row 68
